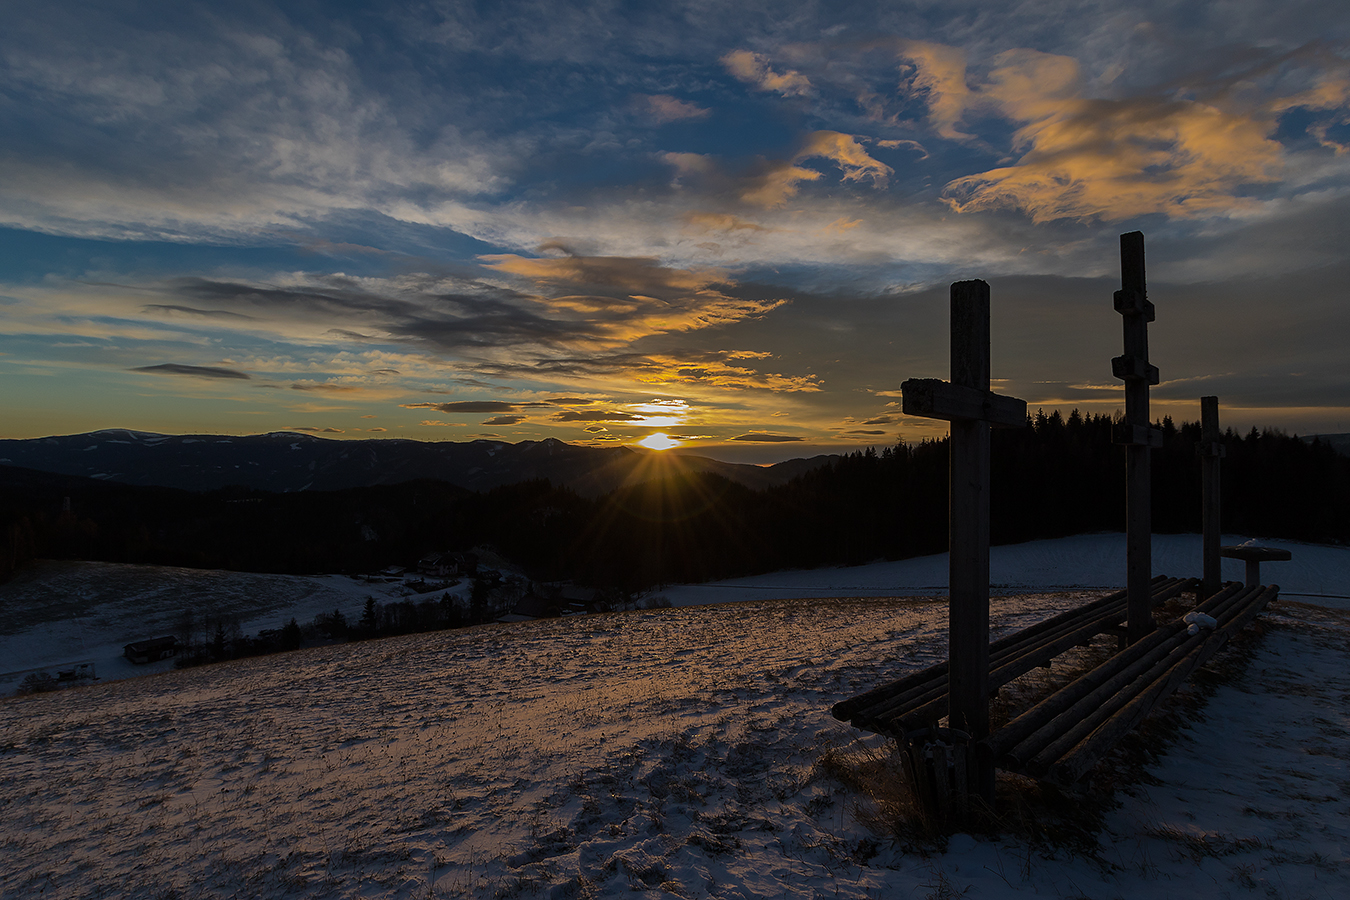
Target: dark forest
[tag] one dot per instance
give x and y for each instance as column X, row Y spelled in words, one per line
column 1055, row 477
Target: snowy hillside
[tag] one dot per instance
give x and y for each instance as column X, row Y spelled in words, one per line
column 674, row 752
column 57, row 613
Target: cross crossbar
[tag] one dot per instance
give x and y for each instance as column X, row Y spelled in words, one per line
column 932, row 398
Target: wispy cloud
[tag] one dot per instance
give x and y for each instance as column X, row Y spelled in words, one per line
column 763, row 437
column 214, row 372
column 754, row 69
column 663, row 108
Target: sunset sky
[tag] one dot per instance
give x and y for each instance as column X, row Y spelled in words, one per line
column 734, row 223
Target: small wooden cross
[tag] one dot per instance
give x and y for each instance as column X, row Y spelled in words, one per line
column 972, row 408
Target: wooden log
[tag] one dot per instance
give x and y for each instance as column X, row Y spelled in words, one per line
column 1077, row 762
column 1033, row 720
column 942, row 788
column 882, row 705
column 1109, row 694
column 1105, row 706
column 1079, row 721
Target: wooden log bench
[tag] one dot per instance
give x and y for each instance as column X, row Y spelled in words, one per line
column 919, row 700
column 1063, row 736
column 1066, row 734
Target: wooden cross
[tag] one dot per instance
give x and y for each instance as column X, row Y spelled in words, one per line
column 972, row 408
column 1210, row 450
column 1138, row 436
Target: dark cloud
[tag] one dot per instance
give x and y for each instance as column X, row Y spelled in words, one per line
column 188, row 310
column 595, row 415
column 864, row 431
column 194, row 371
column 466, row 406
column 760, row 437
column 570, row 401
column 325, row 387
column 504, row 420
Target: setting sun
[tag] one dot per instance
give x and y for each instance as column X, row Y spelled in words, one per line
column 659, row 441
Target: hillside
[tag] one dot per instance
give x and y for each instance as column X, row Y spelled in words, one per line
column 688, row 752
column 290, row 461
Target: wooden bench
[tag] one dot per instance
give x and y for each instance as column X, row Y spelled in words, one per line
column 1063, row 736
column 1066, row 734
column 919, row 700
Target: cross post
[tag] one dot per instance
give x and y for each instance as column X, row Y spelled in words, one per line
column 1138, row 436
column 1210, row 450
column 972, row 408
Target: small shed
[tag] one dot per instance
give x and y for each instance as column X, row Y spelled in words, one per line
column 151, row 650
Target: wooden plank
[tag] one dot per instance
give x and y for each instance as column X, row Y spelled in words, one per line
column 1074, row 764
column 1009, row 656
column 1128, row 367
column 933, row 398
column 1017, row 731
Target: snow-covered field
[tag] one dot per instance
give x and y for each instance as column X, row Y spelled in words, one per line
column 666, row 752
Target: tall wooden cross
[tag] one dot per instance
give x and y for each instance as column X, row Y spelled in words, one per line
column 1210, row 450
column 972, row 408
column 1138, row 436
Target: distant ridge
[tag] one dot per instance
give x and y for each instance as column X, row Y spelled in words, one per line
column 289, row 461
column 1338, row 442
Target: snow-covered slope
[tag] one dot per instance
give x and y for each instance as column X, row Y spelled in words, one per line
column 667, row 753
column 1083, row 561
column 58, row 613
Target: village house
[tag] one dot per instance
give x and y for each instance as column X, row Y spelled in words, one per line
column 151, row 650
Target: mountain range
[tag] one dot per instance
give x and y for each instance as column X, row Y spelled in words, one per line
column 289, row 461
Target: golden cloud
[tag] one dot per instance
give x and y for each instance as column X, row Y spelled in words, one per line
column 625, row 298
column 665, row 108
column 779, row 181
column 845, row 151
column 1084, row 157
column 777, row 184
column 754, row 69
column 940, row 73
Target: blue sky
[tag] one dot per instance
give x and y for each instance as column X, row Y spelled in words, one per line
column 732, row 223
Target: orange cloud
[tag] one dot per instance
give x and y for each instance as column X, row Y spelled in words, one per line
column 1084, row 157
column 1119, row 159
column 777, row 183
column 611, row 300
column 845, row 151
column 940, row 73
column 753, row 69
column 665, row 108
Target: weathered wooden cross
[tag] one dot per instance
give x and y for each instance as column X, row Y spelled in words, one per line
column 972, row 408
column 1138, row 436
column 1210, row 450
